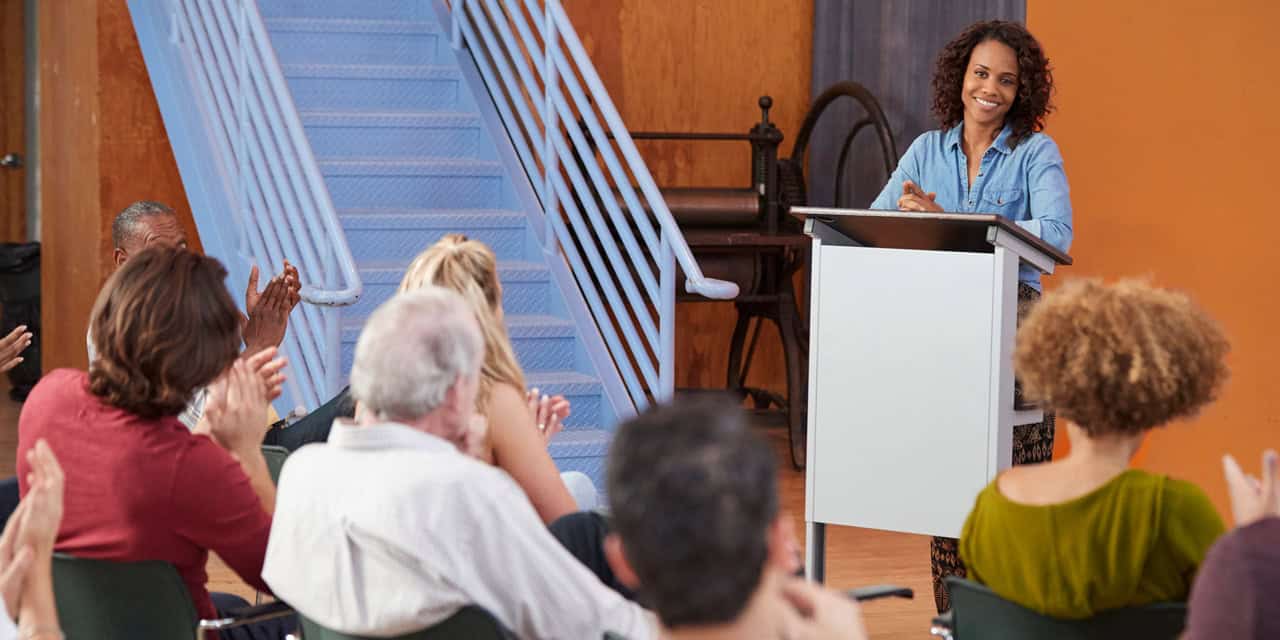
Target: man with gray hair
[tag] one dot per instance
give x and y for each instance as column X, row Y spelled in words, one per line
column 390, row 527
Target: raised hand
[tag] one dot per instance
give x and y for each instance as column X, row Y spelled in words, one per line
column 46, row 481
column 12, row 346
column 269, row 309
column 915, row 199
column 237, row 408
column 819, row 614
column 1253, row 499
column 548, row 412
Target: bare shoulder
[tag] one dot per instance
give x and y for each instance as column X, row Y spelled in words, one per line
column 506, row 408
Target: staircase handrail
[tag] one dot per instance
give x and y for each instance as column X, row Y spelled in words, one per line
column 280, row 204
column 578, row 177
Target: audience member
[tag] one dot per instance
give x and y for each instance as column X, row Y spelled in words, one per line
column 410, row 528
column 26, row 553
column 520, row 425
column 1233, row 596
column 145, row 224
column 699, row 534
column 1085, row 534
column 140, row 486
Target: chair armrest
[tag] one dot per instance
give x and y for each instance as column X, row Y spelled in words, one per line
column 245, row 615
column 943, row 626
column 875, row 592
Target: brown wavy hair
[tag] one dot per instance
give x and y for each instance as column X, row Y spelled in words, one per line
column 163, row 326
column 1120, row 358
column 1035, row 77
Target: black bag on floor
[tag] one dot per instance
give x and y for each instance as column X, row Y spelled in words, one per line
column 20, row 298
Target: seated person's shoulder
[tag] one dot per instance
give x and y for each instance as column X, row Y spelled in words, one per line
column 1189, row 515
column 507, row 399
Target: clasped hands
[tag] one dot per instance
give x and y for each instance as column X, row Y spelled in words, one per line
column 916, row 199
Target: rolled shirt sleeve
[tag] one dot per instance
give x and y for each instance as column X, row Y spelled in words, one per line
column 1050, row 196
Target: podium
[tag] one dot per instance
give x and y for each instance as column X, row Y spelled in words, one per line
column 911, row 405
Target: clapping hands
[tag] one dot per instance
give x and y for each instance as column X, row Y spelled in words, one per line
column 1253, row 499
column 915, row 199
column 236, row 413
column 32, row 529
column 548, row 412
column 269, row 309
column 12, row 346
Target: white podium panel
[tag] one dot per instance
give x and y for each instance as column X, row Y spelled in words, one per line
column 900, row 422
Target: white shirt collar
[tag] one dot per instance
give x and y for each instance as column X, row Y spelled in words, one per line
column 346, row 434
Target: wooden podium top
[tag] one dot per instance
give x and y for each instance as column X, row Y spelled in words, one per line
column 925, row 231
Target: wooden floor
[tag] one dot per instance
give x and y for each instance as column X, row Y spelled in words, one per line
column 855, row 557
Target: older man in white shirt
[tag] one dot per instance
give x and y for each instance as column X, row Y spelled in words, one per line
column 390, row 528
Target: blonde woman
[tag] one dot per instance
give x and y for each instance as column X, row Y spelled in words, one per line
column 520, row 425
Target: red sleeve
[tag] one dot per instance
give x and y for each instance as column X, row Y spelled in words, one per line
column 217, row 509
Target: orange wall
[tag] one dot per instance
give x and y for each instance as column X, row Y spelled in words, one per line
column 1167, row 121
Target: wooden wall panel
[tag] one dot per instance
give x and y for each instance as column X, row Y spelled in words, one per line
column 13, row 199
column 137, row 161
column 103, row 146
column 1126, row 130
column 681, row 65
column 71, row 226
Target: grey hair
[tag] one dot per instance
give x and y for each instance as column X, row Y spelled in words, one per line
column 126, row 222
column 412, row 350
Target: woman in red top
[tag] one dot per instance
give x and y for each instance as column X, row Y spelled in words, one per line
column 139, row 486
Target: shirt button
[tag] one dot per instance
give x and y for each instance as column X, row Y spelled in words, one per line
column 971, row 203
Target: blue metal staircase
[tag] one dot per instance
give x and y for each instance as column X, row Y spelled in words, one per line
column 347, row 136
column 408, row 156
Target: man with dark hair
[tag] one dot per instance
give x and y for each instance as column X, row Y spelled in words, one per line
column 146, row 223
column 699, row 534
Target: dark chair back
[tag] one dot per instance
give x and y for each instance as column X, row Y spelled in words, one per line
column 103, row 600
column 469, row 623
column 275, row 456
column 978, row 613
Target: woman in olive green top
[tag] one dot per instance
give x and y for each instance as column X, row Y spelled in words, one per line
column 1084, row 534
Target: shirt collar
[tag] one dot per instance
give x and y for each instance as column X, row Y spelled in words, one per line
column 386, row 435
column 952, row 138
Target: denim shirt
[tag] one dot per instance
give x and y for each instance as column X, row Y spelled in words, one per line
column 1025, row 184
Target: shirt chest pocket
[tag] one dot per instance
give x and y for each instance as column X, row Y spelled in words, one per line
column 1009, row 203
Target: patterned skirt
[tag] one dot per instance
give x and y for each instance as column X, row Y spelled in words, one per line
column 1032, row 443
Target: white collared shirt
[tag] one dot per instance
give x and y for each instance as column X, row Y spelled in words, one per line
column 387, row 530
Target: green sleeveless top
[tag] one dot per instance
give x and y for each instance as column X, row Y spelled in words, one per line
column 1136, row 540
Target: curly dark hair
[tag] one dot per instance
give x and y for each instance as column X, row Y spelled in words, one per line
column 1121, row 358
column 1035, row 77
column 163, row 327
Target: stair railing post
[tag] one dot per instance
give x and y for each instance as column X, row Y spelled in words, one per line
column 242, row 130
column 666, row 322
column 550, row 125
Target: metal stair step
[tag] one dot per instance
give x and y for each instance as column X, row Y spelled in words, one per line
column 377, row 87
column 353, row 41
column 447, row 183
column 396, row 234
column 336, row 135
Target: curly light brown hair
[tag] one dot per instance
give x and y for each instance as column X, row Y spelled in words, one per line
column 163, row 326
column 1121, row 358
column 1035, row 77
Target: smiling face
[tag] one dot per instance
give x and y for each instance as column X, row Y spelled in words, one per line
column 990, row 83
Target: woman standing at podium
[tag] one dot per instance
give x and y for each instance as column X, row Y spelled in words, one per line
column 991, row 94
